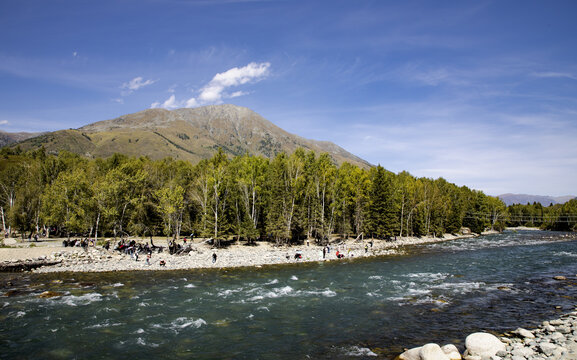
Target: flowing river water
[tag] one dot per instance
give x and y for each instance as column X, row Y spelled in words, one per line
column 350, row 309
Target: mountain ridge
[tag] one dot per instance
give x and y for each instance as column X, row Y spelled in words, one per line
column 188, row 134
column 8, row 138
column 510, row 199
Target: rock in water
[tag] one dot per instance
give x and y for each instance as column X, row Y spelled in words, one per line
column 432, row 352
column 483, row 345
column 50, row 294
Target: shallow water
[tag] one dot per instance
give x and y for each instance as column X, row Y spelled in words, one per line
column 338, row 310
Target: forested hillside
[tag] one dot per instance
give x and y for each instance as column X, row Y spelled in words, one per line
column 284, row 199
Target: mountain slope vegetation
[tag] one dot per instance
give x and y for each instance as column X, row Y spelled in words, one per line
column 185, row 134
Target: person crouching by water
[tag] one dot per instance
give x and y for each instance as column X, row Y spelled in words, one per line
column 162, row 263
column 213, row 258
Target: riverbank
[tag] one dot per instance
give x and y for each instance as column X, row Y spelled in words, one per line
column 552, row 340
column 98, row 259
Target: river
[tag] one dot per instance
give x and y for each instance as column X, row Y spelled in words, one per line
column 350, row 309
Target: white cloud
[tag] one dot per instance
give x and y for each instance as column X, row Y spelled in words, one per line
column 135, row 84
column 216, row 90
column 4, row 122
column 191, row 103
column 169, row 104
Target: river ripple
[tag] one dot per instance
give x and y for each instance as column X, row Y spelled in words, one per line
column 338, row 310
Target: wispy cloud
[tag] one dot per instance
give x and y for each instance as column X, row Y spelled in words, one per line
column 4, row 122
column 555, row 75
column 131, row 86
column 217, row 89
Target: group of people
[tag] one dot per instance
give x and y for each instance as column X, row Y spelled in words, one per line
column 135, row 249
column 340, row 255
column 83, row 243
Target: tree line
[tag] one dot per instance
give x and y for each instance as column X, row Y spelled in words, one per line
column 558, row 217
column 284, row 199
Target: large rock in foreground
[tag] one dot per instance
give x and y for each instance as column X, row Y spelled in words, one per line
column 431, row 352
column 483, row 345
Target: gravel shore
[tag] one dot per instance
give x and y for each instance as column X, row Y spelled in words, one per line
column 97, row 259
column 553, row 340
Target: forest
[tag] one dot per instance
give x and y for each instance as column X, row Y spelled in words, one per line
column 558, row 217
column 285, row 199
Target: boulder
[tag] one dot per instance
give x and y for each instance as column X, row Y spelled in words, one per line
column 547, row 348
column 472, row 357
column 524, row 333
column 451, row 351
column 432, row 352
column 483, row 344
column 411, row 354
column 523, row 352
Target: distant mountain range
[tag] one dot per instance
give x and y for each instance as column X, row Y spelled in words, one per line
column 187, row 134
column 7, row 138
column 510, row 199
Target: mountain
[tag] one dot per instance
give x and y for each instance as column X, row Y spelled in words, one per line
column 7, row 138
column 187, row 134
column 510, row 199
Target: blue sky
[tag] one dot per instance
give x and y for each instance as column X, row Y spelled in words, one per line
column 481, row 93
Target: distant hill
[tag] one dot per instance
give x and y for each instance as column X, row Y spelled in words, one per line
column 7, row 138
column 510, row 199
column 187, row 134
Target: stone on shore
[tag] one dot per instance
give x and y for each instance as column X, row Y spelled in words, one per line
column 432, row 352
column 482, row 345
column 411, row 354
column 524, row 333
column 452, row 352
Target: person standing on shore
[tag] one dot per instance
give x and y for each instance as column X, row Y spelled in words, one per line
column 213, row 258
column 324, row 252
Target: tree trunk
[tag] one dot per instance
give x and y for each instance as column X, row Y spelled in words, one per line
column 96, row 227
column 3, row 222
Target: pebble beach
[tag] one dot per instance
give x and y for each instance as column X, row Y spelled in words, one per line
column 98, row 259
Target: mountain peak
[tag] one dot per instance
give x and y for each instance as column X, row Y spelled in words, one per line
column 188, row 134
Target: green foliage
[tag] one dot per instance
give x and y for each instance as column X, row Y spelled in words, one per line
column 553, row 217
column 286, row 199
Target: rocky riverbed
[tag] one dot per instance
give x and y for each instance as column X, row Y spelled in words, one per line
column 555, row 339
